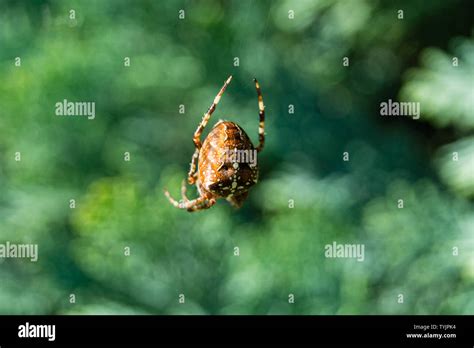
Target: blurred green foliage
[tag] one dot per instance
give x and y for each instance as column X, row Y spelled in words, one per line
column 298, row 61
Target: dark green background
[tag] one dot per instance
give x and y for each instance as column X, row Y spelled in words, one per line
column 298, row 61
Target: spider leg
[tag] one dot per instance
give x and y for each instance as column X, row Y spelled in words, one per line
column 173, row 201
column 204, row 205
column 261, row 113
column 183, row 191
column 185, row 205
column 207, row 116
column 192, row 175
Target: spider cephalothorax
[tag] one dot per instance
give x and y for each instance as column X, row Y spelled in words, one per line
column 226, row 161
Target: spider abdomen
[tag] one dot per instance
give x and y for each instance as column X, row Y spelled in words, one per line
column 227, row 161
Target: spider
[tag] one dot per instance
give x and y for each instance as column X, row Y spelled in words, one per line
column 225, row 164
